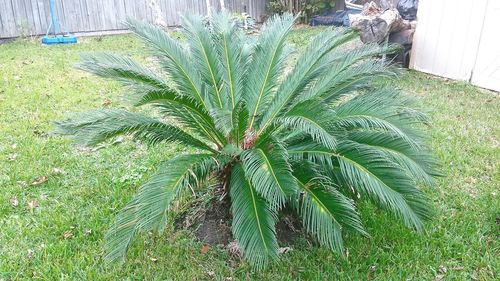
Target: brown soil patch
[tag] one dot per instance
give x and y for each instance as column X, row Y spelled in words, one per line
column 211, row 224
column 214, row 226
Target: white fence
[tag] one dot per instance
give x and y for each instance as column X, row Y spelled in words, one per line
column 459, row 39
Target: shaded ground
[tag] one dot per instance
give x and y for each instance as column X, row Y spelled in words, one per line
column 215, row 228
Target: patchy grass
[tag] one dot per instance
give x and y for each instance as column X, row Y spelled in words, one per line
column 62, row 236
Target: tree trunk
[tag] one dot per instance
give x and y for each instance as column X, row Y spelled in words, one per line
column 375, row 24
column 222, row 5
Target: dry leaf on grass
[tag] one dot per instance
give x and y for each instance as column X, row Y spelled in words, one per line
column 442, row 269
column 22, row 183
column 284, row 250
column 13, row 201
column 40, row 180
column 58, row 171
column 32, row 204
column 67, row 234
column 234, row 249
column 439, row 277
column 29, row 254
column 12, row 157
column 107, row 102
column 204, row 249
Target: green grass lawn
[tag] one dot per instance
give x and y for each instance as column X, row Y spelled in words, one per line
column 55, row 230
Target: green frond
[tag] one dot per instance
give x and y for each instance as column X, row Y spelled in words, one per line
column 341, row 59
column 349, row 70
column 392, row 104
column 313, row 118
column 268, row 170
column 147, row 87
column 123, row 69
column 184, row 110
column 376, row 110
column 307, row 68
column 202, row 124
column 230, row 44
column 253, row 221
column 319, row 220
column 93, row 127
column 374, row 175
column 223, row 120
column 312, row 152
column 267, row 61
column 324, row 210
column 419, row 162
column 239, row 121
column 148, row 208
column 204, row 57
column 358, row 77
column 158, row 96
column 173, row 57
column 365, row 120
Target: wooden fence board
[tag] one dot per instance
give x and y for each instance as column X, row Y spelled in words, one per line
column 32, row 17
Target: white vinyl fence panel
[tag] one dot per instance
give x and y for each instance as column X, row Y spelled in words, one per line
column 459, row 39
column 487, row 68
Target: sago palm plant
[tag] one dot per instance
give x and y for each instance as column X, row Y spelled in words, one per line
column 315, row 135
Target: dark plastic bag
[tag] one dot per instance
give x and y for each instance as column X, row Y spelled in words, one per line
column 322, row 20
column 408, row 9
column 343, row 18
column 339, row 18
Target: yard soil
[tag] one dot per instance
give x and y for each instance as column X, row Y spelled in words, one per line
column 214, row 227
column 212, row 224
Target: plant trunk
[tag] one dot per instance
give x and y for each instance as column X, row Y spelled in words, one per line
column 225, row 177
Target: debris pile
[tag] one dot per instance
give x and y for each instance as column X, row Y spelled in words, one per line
column 380, row 20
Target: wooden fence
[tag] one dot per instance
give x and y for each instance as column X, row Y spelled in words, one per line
column 32, row 17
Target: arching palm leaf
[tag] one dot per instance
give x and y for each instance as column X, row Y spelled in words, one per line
column 253, row 221
column 323, row 209
column 175, row 60
column 270, row 173
column 148, row 209
column 268, row 58
column 204, row 55
column 96, row 126
column 375, row 176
